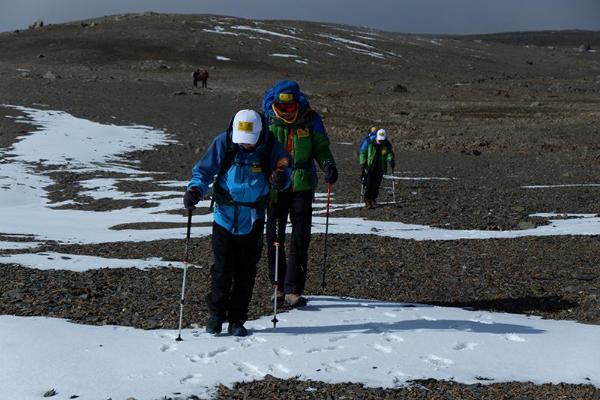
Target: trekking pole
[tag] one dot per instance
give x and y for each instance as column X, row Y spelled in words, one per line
column 323, row 284
column 185, row 267
column 393, row 186
column 276, row 244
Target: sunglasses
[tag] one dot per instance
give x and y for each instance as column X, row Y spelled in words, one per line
column 287, row 107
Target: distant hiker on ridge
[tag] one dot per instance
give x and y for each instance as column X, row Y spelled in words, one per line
column 300, row 130
column 204, row 78
column 374, row 154
column 195, row 77
column 242, row 162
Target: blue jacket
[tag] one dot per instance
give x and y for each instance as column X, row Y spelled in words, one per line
column 241, row 192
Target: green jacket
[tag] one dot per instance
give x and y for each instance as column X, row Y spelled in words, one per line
column 370, row 150
column 306, row 141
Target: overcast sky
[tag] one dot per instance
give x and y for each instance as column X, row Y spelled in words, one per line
column 415, row 16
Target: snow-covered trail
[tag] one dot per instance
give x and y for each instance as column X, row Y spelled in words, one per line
column 332, row 340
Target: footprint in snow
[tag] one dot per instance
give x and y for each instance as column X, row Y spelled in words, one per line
column 168, row 347
column 392, row 337
column 436, row 363
column 282, row 352
column 323, row 349
column 513, row 337
column 208, row 356
column 458, row 346
column 275, row 368
column 250, row 341
column 381, row 348
column 191, row 379
column 338, row 338
column 249, row 370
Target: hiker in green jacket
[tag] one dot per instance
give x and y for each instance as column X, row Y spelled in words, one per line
column 374, row 155
column 301, row 132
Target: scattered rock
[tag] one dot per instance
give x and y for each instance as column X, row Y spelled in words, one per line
column 180, row 93
column 585, row 277
column 50, row 393
column 526, row 225
column 41, row 56
column 50, row 76
column 14, row 295
column 535, row 104
column 37, row 24
column 398, row 88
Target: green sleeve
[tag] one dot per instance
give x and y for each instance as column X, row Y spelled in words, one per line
column 322, row 153
column 362, row 157
column 390, row 156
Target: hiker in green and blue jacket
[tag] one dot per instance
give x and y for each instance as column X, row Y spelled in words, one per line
column 301, row 132
column 374, row 155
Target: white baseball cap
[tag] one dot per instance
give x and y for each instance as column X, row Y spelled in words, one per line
column 247, row 126
column 381, row 134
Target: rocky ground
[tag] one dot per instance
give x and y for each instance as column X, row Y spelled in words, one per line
column 491, row 114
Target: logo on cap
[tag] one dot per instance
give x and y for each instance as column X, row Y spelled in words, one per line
column 286, row 97
column 245, row 126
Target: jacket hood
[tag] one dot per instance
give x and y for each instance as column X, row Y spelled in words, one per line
column 284, row 87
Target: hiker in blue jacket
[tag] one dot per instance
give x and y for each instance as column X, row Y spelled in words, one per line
column 243, row 162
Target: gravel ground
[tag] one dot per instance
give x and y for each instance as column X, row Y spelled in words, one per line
column 492, row 116
column 429, row 389
column 536, row 276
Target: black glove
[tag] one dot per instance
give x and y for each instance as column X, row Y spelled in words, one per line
column 331, row 173
column 191, row 198
column 278, row 179
column 392, row 163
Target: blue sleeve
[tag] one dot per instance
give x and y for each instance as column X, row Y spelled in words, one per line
column 317, row 124
column 204, row 171
column 277, row 153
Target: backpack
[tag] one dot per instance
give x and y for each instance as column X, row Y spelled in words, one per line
column 364, row 141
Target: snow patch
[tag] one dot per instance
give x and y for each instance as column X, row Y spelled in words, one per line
column 333, row 340
column 79, row 263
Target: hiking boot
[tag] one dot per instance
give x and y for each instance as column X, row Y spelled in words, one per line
column 235, row 329
column 295, row 300
column 214, row 326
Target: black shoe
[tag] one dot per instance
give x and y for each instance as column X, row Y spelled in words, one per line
column 214, row 326
column 237, row 330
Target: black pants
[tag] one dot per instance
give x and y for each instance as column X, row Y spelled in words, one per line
column 372, row 183
column 291, row 275
column 233, row 272
column 205, row 83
